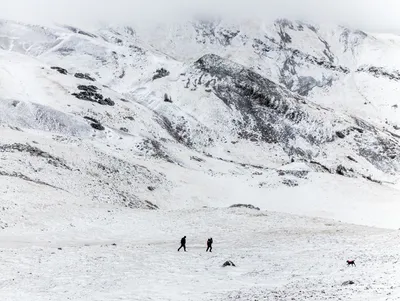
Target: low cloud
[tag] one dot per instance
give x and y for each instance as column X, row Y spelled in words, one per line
column 370, row 15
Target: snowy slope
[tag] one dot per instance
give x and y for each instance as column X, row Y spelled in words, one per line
column 290, row 117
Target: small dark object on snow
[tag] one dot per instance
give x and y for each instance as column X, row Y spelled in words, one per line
column 61, row 70
column 351, row 262
column 349, row 282
column 89, row 88
column 124, row 130
column 248, row 206
column 183, row 244
column 228, row 263
column 114, row 244
column 196, row 159
column 340, row 134
column 167, row 98
column 84, row 76
column 91, row 119
column 160, row 73
column 60, row 249
column 151, row 188
column 97, row 126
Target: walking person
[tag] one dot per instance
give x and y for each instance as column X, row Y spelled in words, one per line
column 183, row 244
column 209, row 245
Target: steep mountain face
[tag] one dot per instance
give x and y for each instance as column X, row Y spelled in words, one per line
column 113, row 114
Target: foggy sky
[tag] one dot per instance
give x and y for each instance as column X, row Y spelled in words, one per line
column 369, row 15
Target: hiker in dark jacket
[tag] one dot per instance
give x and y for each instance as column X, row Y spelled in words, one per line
column 183, row 244
column 209, row 244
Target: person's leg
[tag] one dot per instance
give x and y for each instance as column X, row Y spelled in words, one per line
column 180, row 248
column 184, row 248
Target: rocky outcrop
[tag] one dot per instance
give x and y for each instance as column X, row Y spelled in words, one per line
column 160, row 73
column 90, row 93
column 248, row 206
column 60, row 70
column 84, row 76
column 380, row 72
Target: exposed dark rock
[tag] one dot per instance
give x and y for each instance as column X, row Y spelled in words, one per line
column 151, row 206
column 320, row 167
column 248, row 206
column 340, row 134
column 60, row 70
column 380, row 72
column 84, row 76
column 26, row 178
column 97, row 126
column 296, row 173
column 155, row 149
column 79, row 31
column 369, row 178
column 91, row 119
column 89, row 88
column 34, row 152
column 124, row 130
column 290, row 182
column 349, row 282
column 160, row 73
column 151, row 188
column 352, row 159
column 129, row 118
column 196, row 159
column 167, row 98
column 343, row 171
column 89, row 93
column 228, row 263
column 180, row 132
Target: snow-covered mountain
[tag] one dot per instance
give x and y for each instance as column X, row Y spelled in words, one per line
column 256, row 96
column 286, row 116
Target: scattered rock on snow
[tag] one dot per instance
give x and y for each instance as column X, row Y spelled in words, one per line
column 97, row 126
column 84, row 76
column 248, row 206
column 160, row 73
column 59, row 69
column 194, row 158
column 290, row 182
column 167, row 98
column 228, row 263
column 90, row 93
column 349, row 282
column 151, row 206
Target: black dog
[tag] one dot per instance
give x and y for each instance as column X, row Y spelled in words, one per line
column 351, row 262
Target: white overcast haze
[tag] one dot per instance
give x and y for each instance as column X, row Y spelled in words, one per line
column 369, row 15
